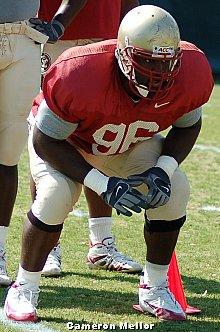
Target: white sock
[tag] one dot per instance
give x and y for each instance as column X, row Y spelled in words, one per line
column 100, row 228
column 154, row 274
column 3, row 235
column 29, row 279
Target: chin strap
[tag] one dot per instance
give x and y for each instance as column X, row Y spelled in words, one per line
column 130, row 75
column 142, row 92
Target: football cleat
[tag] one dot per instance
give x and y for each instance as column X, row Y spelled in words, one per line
column 4, row 279
column 20, row 304
column 104, row 255
column 160, row 302
column 52, row 267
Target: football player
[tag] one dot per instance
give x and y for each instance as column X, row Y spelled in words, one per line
column 23, row 31
column 20, row 81
column 104, row 25
column 98, row 123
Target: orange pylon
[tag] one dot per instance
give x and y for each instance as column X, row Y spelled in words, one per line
column 176, row 287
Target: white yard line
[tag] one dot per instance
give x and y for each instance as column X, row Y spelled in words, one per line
column 24, row 327
column 207, row 148
column 210, row 208
column 78, row 213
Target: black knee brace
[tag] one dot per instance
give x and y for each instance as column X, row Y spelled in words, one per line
column 163, row 225
column 42, row 226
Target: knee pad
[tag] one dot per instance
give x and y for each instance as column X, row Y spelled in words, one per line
column 42, row 226
column 54, row 199
column 178, row 201
column 161, row 226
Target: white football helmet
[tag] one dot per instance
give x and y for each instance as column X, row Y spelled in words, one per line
column 148, row 50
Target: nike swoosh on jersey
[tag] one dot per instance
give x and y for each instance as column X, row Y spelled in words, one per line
column 160, row 105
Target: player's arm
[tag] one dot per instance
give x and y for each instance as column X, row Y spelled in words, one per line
column 127, row 5
column 49, row 141
column 182, row 136
column 68, row 10
column 65, row 14
column 177, row 145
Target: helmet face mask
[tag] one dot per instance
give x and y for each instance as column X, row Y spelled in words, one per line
column 149, row 64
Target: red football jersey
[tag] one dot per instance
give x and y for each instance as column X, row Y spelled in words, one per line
column 97, row 19
column 83, row 87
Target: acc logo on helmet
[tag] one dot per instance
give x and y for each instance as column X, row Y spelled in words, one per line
column 157, row 50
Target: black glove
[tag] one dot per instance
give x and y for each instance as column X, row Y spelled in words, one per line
column 54, row 29
column 121, row 196
column 158, row 184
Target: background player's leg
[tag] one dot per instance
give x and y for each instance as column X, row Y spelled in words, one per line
column 103, row 253
column 8, row 192
column 16, row 96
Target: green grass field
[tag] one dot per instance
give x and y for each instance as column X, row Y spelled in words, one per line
column 85, row 296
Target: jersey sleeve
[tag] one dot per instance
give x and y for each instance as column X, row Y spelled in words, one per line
column 189, row 119
column 36, row 102
column 59, row 92
column 52, row 125
column 198, row 77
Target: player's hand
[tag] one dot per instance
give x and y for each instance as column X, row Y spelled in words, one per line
column 158, row 184
column 121, row 196
column 54, row 29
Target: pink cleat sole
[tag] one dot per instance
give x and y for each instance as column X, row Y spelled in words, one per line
column 28, row 318
column 161, row 314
